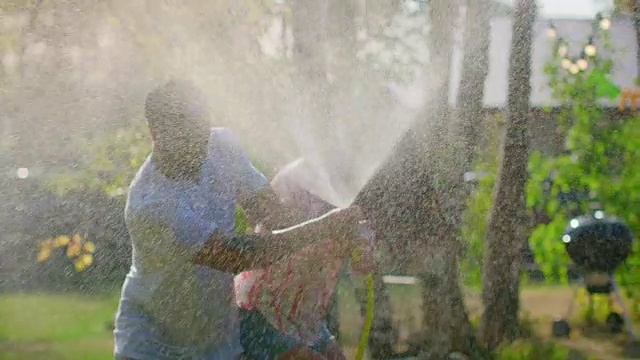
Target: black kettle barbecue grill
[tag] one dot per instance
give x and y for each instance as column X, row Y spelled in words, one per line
column 597, row 244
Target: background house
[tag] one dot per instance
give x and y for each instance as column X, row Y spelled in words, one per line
column 543, row 127
column 543, row 132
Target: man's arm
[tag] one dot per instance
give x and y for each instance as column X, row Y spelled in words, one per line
column 243, row 252
column 174, row 235
column 261, row 206
column 266, row 209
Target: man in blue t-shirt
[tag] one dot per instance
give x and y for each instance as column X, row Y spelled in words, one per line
column 177, row 300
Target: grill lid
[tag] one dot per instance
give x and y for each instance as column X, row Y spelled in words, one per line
column 597, row 242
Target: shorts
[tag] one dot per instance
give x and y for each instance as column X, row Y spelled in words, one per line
column 261, row 341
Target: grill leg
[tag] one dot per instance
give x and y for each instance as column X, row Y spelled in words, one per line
column 590, row 310
column 572, row 304
column 625, row 314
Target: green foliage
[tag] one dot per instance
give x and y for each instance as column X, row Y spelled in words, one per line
column 242, row 224
column 108, row 162
column 78, row 242
column 623, row 6
column 475, row 223
column 475, row 218
column 602, row 157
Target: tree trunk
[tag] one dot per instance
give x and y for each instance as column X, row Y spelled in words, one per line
column 446, row 298
column 636, row 24
column 439, row 242
column 407, row 198
column 505, row 237
column 409, row 207
column 475, row 66
column 382, row 336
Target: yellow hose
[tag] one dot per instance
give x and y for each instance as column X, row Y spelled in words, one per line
column 368, row 318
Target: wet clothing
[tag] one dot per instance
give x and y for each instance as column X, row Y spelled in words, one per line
column 170, row 308
column 262, row 341
column 285, row 304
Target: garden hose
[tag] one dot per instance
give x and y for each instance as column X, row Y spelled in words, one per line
column 356, row 257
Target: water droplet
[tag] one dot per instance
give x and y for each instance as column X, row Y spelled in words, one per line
column 10, row 61
column 22, row 173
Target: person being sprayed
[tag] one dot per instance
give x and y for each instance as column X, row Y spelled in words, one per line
column 283, row 307
column 177, row 301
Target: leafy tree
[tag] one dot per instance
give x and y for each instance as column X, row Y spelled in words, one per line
column 109, row 161
column 602, row 157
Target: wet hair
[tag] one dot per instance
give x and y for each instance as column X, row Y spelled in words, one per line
column 175, row 104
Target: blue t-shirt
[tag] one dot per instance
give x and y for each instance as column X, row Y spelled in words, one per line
column 169, row 307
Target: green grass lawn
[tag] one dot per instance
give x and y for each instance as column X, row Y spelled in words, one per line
column 73, row 327
column 77, row 327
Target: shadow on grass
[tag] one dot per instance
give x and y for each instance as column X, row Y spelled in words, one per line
column 631, row 350
column 597, row 334
column 536, row 348
column 532, row 346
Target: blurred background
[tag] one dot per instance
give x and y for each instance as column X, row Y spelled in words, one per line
column 337, row 82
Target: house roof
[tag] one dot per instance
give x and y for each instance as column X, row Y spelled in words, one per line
column 576, row 32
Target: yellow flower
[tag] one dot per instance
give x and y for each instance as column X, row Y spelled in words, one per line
column 43, row 255
column 77, row 238
column 86, row 259
column 62, row 241
column 46, row 244
column 73, row 250
column 89, row 247
column 80, row 266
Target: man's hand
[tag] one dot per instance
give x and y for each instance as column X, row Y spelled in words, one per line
column 301, row 352
column 343, row 226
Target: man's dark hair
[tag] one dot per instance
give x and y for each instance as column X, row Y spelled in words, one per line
column 173, row 103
